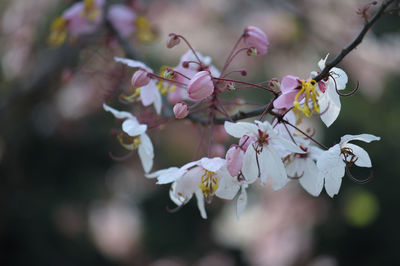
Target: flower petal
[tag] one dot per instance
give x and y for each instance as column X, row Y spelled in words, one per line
column 340, row 78
column 212, row 164
column 133, row 128
column 119, row 114
column 362, row 137
column 200, row 204
column 332, row 185
column 239, row 129
column 250, row 167
column 133, row 63
column 312, row 180
column 148, row 93
column 363, row 159
column 146, row 152
column 272, row 166
column 228, row 186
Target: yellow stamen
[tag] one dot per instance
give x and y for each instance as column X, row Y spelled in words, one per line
column 90, row 10
column 144, row 33
column 208, row 183
column 58, row 32
column 311, row 94
column 128, row 142
column 133, row 97
column 163, row 86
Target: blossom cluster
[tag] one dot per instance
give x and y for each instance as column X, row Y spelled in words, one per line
column 278, row 151
column 85, row 17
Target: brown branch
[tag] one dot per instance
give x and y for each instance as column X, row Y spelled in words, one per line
column 351, row 46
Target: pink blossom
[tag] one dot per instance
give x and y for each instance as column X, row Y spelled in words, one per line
column 140, row 78
column 78, row 23
column 234, row 160
column 122, row 18
column 245, row 141
column 289, row 90
column 181, row 110
column 200, row 86
column 256, row 38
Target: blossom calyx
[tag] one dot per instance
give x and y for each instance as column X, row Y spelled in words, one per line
column 200, row 86
column 173, row 40
column 140, row 78
column 181, row 110
column 256, row 39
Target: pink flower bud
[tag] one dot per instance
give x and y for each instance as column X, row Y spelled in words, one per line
column 234, row 160
column 140, row 78
column 181, row 110
column 256, row 38
column 200, row 86
column 173, row 40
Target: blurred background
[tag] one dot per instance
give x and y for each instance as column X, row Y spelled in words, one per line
column 64, row 201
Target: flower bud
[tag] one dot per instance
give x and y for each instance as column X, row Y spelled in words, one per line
column 173, row 40
column 256, row 39
column 140, row 78
column 200, row 86
column 181, row 110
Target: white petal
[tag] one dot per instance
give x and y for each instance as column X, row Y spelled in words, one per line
column 331, row 163
column 200, row 204
column 272, row 166
column 322, row 62
column 146, row 152
column 157, row 102
column 363, row 159
column 133, row 128
column 312, row 180
column 189, row 182
column 228, row 185
column 250, row 168
column 287, row 144
column 340, row 77
column 329, row 105
column 119, row 114
column 178, row 200
column 241, row 201
column 363, row 137
column 239, row 129
column 162, row 172
column 332, row 185
column 148, row 93
column 212, row 164
column 133, row 63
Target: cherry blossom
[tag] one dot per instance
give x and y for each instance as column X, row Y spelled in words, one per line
column 135, row 138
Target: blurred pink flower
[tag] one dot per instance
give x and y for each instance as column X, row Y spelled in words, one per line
column 123, row 19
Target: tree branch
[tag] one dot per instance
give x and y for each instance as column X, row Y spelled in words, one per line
column 351, row 46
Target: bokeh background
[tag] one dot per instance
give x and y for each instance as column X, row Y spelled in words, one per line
column 64, row 201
